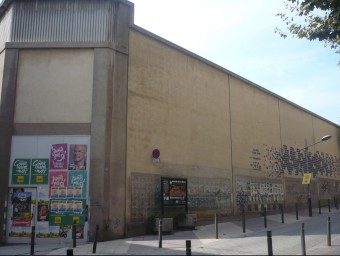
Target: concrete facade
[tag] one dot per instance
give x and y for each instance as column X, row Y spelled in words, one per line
column 131, row 92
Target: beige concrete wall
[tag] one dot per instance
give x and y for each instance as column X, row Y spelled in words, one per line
column 2, row 61
column 255, row 125
column 54, row 86
column 177, row 104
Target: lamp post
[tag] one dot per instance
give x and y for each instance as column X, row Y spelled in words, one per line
column 324, row 138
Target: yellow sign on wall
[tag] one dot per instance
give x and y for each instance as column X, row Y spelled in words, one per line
column 306, row 178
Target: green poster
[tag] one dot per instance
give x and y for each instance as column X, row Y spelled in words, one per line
column 78, row 179
column 21, row 171
column 66, row 212
column 39, row 171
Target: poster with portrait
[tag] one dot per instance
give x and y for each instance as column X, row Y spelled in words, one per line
column 43, row 212
column 78, row 157
column 66, row 212
column 57, row 179
column 58, row 156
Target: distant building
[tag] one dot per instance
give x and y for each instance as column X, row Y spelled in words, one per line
column 139, row 108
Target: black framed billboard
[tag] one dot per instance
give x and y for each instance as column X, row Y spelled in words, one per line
column 174, row 192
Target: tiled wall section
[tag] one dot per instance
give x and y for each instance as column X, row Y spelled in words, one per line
column 204, row 194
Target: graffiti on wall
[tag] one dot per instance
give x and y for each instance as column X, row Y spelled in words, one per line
column 294, row 162
column 209, row 194
column 203, row 194
column 252, row 190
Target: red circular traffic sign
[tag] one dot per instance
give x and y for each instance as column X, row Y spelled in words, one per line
column 156, row 153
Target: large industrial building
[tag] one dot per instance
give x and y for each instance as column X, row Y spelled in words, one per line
column 104, row 123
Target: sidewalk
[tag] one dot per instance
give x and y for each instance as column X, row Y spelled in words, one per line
column 286, row 239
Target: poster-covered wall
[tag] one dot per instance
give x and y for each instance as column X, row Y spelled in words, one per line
column 48, row 187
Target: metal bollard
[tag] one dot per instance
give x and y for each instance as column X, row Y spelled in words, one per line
column 265, row 216
column 32, row 240
column 303, row 242
column 69, row 252
column 74, row 235
column 329, row 231
column 329, row 205
column 282, row 214
column 297, row 211
column 243, row 220
column 95, row 240
column 319, row 207
column 216, row 226
column 188, row 247
column 160, row 231
column 269, row 242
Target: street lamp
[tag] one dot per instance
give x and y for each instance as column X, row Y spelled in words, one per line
column 324, row 138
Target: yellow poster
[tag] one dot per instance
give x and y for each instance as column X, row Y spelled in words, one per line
column 306, row 178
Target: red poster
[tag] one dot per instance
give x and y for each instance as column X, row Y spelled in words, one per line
column 21, row 223
column 58, row 179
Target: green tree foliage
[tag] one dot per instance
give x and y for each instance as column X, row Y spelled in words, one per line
column 313, row 19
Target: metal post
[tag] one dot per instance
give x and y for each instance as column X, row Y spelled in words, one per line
column 74, row 235
column 319, row 207
column 95, row 240
column 243, row 220
column 188, row 247
column 282, row 214
column 32, row 240
column 160, row 231
column 216, row 226
column 297, row 211
column 69, row 252
column 265, row 216
column 303, row 243
column 269, row 243
column 309, row 195
column 329, row 205
column 329, row 231
column 337, row 205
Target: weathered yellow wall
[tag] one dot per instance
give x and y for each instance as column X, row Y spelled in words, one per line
column 54, row 86
column 254, row 124
column 177, row 104
column 236, row 142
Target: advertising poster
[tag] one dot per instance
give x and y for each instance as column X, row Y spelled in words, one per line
column 39, row 171
column 20, row 232
column 174, row 191
column 43, row 212
column 66, row 212
column 21, row 216
column 43, row 230
column 58, row 156
column 57, row 179
column 21, row 171
column 78, row 157
column 50, row 178
column 78, row 180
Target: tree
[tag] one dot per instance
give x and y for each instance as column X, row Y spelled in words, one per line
column 313, row 19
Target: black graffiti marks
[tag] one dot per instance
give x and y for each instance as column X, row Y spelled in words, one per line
column 255, row 159
column 295, row 162
column 116, row 223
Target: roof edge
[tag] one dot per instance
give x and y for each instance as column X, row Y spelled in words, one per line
column 208, row 62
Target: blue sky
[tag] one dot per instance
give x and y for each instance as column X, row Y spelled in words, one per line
column 239, row 36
